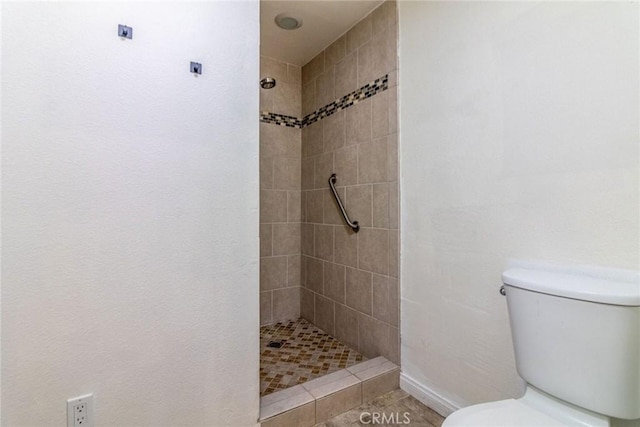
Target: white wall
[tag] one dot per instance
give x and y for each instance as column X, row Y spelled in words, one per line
column 519, row 141
column 130, row 212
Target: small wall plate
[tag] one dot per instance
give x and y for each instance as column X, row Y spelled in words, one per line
column 196, row 67
column 124, row 31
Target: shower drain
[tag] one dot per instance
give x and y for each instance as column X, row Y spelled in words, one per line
column 274, row 344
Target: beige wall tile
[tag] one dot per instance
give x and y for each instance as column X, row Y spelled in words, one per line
column 373, row 250
column 359, row 292
column 266, row 100
column 359, row 34
column 358, row 122
column 393, row 253
column 336, row 51
column 265, row 240
column 334, row 282
column 325, row 314
column 303, row 206
column 380, row 385
column 287, row 173
column 332, row 214
column 392, row 157
column 394, row 344
column 308, row 98
column 347, row 74
column 286, row 304
column 393, row 79
column 339, row 402
column 333, row 131
column 279, row 141
column 286, row 238
column 366, row 72
column 384, row 16
column 307, row 242
column 372, row 161
column 265, row 308
column 313, row 68
column 324, row 242
column 308, row 170
column 325, row 87
column 359, row 204
column 273, row 206
column 380, row 114
column 374, row 337
column 307, row 305
column 346, row 165
column 294, row 266
column 314, row 273
column 294, row 206
column 393, row 109
column 323, row 170
column 346, row 326
column 381, row 205
column 294, row 73
column 346, row 246
column 385, row 299
column 314, row 208
column 302, row 416
column 380, row 54
column 266, row 173
column 312, row 137
column 273, row 273
column 270, row 67
column 287, row 99
column 394, row 203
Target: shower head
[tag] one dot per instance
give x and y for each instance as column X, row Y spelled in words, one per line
column 268, row 83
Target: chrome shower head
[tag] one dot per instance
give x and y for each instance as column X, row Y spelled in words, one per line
column 268, row 83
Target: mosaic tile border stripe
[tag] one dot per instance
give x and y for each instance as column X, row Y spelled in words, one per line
column 366, row 91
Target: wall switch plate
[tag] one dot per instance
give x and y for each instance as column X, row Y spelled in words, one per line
column 80, row 411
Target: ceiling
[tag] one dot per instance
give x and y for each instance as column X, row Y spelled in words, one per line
column 322, row 23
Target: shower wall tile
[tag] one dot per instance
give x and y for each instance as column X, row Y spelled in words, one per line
column 359, row 200
column 359, row 34
column 273, row 273
column 325, row 314
column 350, row 279
column 359, row 292
column 346, row 325
column 286, row 239
column 336, row 51
column 280, row 196
column 347, row 74
column 286, row 303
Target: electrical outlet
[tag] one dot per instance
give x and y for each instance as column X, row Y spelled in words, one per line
column 80, row 411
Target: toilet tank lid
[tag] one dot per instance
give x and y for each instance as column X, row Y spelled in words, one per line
column 614, row 291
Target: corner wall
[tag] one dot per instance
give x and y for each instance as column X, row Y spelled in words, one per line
column 350, row 280
column 130, row 212
column 519, row 140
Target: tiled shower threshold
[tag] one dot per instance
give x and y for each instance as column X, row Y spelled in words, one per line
column 321, row 399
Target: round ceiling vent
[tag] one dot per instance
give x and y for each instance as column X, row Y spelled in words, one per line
column 287, row 22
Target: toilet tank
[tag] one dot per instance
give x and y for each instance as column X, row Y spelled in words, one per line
column 577, row 337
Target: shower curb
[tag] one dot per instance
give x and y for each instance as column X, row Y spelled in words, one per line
column 321, row 399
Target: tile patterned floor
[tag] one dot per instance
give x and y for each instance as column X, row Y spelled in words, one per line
column 307, row 352
column 397, row 404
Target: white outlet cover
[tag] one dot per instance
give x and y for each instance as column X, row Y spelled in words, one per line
column 86, row 401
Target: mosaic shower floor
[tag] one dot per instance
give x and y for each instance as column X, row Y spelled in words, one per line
column 307, row 352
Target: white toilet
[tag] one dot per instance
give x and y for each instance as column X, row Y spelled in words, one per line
column 577, row 345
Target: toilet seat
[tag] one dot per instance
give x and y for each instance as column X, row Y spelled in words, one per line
column 534, row 409
column 503, row 413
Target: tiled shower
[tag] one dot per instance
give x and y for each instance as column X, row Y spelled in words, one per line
column 336, row 114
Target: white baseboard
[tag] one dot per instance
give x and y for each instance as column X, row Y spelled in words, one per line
column 427, row 396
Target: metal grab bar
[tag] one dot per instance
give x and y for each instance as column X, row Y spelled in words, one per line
column 353, row 224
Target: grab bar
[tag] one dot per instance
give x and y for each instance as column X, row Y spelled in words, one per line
column 354, row 225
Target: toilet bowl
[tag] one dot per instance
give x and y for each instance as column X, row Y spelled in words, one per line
column 576, row 340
